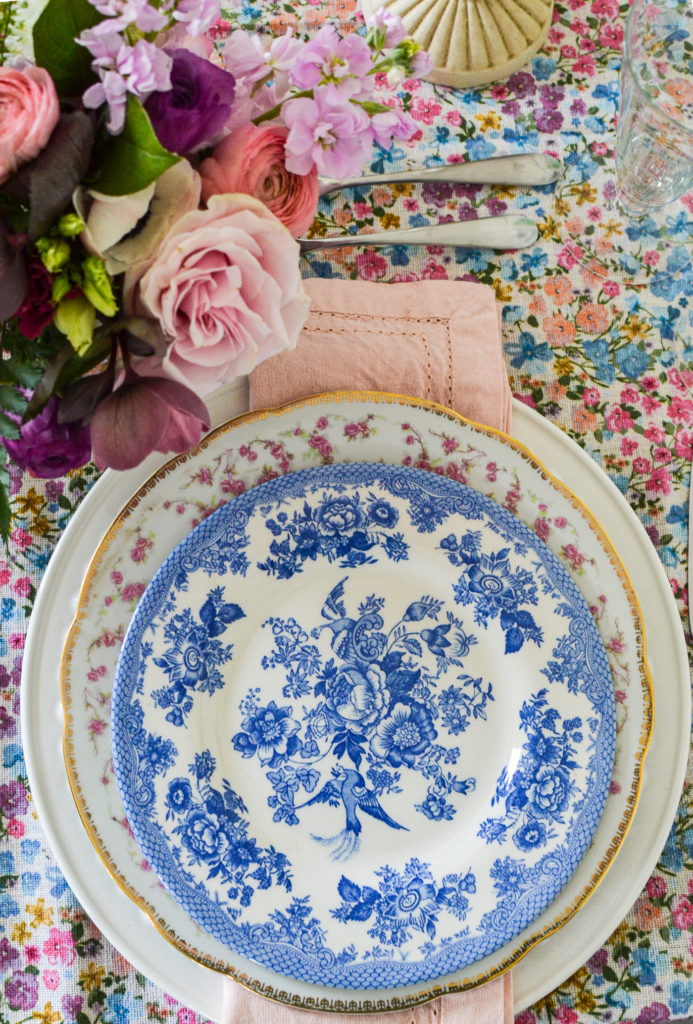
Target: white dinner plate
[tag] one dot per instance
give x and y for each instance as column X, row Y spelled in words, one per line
column 540, row 970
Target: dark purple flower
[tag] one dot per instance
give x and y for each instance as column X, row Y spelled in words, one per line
column 437, row 193
column 496, row 206
column 48, row 448
column 143, row 415
column 549, row 120
column 21, row 990
column 653, row 1014
column 38, row 308
column 467, row 212
column 71, row 1005
column 468, row 190
column 9, row 955
column 578, row 107
column 197, row 105
column 598, row 962
column 551, row 95
column 512, row 107
column 8, row 727
column 13, row 799
column 522, row 84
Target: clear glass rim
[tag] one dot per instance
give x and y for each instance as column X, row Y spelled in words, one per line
column 668, row 119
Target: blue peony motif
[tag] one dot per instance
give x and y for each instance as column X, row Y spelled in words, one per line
column 270, row 732
column 406, row 732
column 203, row 837
column 340, row 515
column 357, row 697
column 179, row 796
column 550, row 790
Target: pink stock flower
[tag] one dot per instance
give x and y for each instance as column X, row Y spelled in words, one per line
column 336, row 138
column 29, row 112
column 338, row 63
column 146, row 414
column 225, row 287
column 252, row 160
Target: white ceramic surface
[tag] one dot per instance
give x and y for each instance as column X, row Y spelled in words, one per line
column 541, row 969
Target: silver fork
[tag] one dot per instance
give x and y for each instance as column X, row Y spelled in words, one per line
column 508, row 232
column 519, row 169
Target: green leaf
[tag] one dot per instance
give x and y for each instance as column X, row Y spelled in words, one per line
column 609, row 974
column 12, row 371
column 55, row 49
column 132, row 160
column 12, row 400
column 8, row 427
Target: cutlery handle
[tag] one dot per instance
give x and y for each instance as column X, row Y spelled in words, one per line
column 520, row 169
column 509, row 232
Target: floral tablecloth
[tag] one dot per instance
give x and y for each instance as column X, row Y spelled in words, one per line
column 598, row 336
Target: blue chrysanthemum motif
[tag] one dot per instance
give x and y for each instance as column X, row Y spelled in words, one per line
column 302, row 745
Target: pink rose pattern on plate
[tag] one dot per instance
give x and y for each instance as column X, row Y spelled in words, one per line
column 610, row 364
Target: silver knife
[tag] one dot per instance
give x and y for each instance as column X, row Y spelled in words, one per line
column 519, row 169
column 508, row 232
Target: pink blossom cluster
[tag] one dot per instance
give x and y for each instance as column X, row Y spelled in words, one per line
column 323, row 91
column 128, row 63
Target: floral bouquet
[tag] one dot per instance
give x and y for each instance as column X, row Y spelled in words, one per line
column 152, row 186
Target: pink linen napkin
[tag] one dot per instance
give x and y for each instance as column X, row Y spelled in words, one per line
column 438, row 340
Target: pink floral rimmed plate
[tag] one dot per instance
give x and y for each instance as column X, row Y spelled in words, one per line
column 340, row 427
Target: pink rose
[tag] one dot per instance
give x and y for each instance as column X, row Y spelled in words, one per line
column 226, row 289
column 29, row 112
column 251, row 159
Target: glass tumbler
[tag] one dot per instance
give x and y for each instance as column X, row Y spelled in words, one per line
column 654, row 139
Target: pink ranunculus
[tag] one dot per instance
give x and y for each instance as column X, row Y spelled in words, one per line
column 225, row 287
column 252, row 160
column 29, row 112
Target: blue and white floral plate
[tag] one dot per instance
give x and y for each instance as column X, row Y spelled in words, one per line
column 363, row 725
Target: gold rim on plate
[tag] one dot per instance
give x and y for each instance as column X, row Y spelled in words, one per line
column 433, row 991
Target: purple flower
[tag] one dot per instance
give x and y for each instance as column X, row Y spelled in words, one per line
column 21, row 990
column 9, row 955
column 140, row 69
column 336, row 138
column 549, row 120
column 197, row 15
column 71, row 1005
column 146, row 414
column 13, row 799
column 196, row 107
column 522, row 84
column 48, row 448
column 653, row 1014
column 551, row 95
column 8, row 727
column 437, row 193
column 340, row 64
column 496, row 206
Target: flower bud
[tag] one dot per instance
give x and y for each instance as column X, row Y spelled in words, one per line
column 71, row 225
column 96, row 285
column 54, row 253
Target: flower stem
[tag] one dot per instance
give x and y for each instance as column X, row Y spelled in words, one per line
column 274, row 111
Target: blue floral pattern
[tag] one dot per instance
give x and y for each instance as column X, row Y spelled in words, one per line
column 342, row 713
